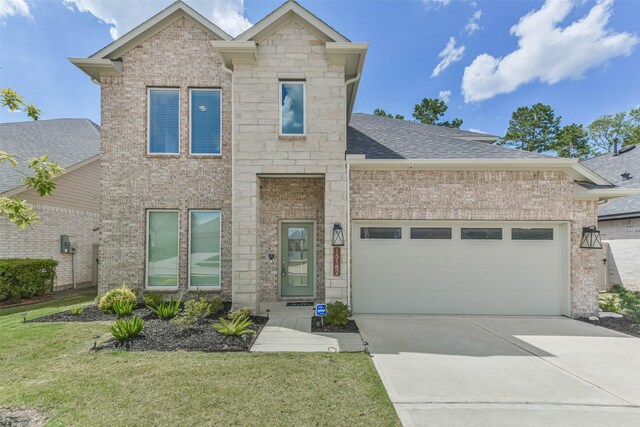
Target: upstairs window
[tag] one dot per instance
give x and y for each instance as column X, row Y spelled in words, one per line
column 292, row 113
column 206, row 121
column 164, row 121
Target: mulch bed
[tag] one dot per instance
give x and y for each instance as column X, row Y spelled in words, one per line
column 621, row 324
column 316, row 326
column 163, row 335
column 22, row 417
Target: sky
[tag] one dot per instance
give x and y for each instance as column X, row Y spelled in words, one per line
column 484, row 58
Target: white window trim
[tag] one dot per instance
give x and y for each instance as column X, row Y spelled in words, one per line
column 204, row 287
column 146, row 259
column 191, row 153
column 304, row 107
column 149, row 89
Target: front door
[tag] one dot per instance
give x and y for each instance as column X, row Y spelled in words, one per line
column 297, row 265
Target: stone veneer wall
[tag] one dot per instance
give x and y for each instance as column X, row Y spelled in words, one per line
column 484, row 195
column 180, row 56
column 289, row 53
column 613, row 229
column 43, row 241
column 288, row 199
column 623, row 266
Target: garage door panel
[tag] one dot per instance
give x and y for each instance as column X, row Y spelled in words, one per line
column 458, row 276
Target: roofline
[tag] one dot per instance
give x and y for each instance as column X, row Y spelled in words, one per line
column 624, row 215
column 21, row 189
column 96, row 68
column 489, row 139
column 162, row 19
column 275, row 18
column 605, row 193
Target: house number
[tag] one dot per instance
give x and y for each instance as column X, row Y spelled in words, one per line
column 336, row 261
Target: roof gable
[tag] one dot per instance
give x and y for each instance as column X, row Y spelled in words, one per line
column 285, row 13
column 156, row 24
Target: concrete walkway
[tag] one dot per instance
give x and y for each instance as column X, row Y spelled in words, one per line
column 505, row 371
column 289, row 329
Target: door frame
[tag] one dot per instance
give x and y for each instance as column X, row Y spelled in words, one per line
column 315, row 258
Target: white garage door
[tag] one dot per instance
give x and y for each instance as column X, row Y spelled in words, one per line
column 460, row 268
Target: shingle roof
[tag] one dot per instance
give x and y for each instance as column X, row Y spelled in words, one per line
column 380, row 137
column 611, row 168
column 66, row 141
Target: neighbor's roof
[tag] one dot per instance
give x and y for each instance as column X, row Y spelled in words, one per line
column 380, row 137
column 66, row 141
column 612, row 167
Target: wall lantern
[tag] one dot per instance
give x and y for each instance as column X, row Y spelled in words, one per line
column 590, row 238
column 338, row 236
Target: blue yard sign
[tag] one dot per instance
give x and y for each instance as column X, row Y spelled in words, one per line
column 321, row 310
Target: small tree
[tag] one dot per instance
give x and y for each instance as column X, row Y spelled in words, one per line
column 572, row 141
column 623, row 127
column 17, row 210
column 381, row 112
column 532, row 128
column 430, row 110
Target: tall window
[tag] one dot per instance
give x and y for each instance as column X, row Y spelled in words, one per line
column 292, row 114
column 204, row 249
column 162, row 248
column 206, row 121
column 164, row 121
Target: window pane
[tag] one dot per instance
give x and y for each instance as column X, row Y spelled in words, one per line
column 204, row 254
column 380, row 233
column 482, row 233
column 205, row 121
column 162, row 265
column 431, row 233
column 292, row 109
column 164, row 120
column 532, row 234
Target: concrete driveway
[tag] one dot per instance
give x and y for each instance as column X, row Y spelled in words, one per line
column 505, row 371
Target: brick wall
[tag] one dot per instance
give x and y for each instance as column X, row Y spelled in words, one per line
column 179, row 56
column 628, row 228
column 484, row 195
column 43, row 241
column 293, row 199
column 289, row 53
column 623, row 258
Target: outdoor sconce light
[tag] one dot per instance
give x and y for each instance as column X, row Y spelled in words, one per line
column 590, row 238
column 338, row 236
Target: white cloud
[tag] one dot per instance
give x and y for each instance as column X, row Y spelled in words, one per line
column 449, row 55
column 123, row 16
column 547, row 52
column 14, row 7
column 476, row 130
column 445, row 95
column 473, row 24
column 436, row 3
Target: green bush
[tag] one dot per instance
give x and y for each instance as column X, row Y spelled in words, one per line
column 337, row 314
column 123, row 293
column 153, row 299
column 194, row 310
column 217, row 305
column 237, row 327
column 241, row 313
column 168, row 309
column 630, row 303
column 25, row 278
column 122, row 308
column 125, row 329
column 77, row 310
column 609, row 304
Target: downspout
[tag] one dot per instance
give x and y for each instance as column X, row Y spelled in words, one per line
column 348, row 254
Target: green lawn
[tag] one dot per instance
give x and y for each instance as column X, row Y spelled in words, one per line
column 47, row 366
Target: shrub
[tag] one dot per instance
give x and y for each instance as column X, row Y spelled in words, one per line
column 337, row 314
column 125, row 329
column 194, row 310
column 167, row 309
column 630, row 303
column 618, row 289
column 609, row 304
column 122, row 308
column 153, row 299
column 123, row 293
column 217, row 305
column 25, row 278
column 77, row 310
column 237, row 327
column 241, row 313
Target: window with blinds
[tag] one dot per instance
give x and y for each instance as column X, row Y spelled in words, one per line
column 164, row 121
column 206, row 121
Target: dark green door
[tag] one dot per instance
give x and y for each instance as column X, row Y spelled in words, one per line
column 297, row 266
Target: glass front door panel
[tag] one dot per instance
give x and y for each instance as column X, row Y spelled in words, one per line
column 297, row 265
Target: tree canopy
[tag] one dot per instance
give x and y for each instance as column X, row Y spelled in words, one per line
column 429, row 111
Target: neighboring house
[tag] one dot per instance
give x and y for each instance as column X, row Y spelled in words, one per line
column 73, row 209
column 227, row 163
column 619, row 219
